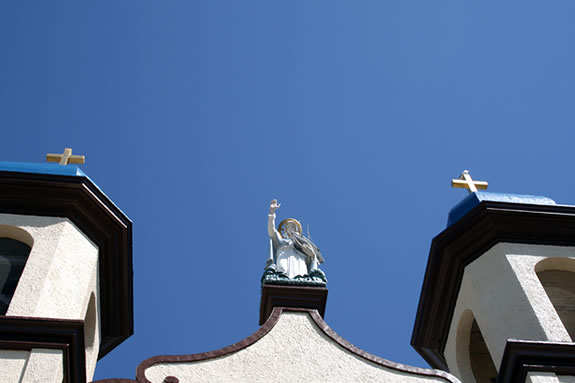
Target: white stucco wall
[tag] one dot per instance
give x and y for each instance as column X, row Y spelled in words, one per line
column 34, row 366
column 548, row 377
column 46, row 366
column 12, row 364
column 295, row 350
column 59, row 278
column 502, row 291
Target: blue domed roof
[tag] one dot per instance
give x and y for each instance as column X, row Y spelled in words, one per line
column 47, row 168
column 475, row 198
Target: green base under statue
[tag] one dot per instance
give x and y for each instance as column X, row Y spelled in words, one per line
column 274, row 277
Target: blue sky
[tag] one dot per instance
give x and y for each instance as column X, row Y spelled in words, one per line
column 193, row 115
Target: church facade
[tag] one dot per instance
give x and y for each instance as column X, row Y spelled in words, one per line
column 497, row 303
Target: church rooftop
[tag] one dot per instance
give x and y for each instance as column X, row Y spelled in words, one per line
column 475, row 198
column 53, row 190
column 36, row 168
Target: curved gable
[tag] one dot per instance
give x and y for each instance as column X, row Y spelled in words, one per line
column 293, row 345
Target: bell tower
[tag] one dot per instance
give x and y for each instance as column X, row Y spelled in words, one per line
column 498, row 299
column 65, row 273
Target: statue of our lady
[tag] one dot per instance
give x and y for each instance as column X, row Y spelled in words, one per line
column 291, row 252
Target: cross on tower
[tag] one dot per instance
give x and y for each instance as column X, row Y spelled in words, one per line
column 65, row 158
column 465, row 181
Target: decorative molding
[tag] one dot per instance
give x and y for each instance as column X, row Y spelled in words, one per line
column 80, row 200
column 25, row 333
column 272, row 276
column 266, row 328
column 521, row 357
column 487, row 224
column 305, row 297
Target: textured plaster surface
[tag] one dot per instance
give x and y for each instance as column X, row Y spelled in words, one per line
column 502, row 292
column 541, row 377
column 295, row 350
column 46, row 366
column 59, row 279
column 56, row 280
column 12, row 364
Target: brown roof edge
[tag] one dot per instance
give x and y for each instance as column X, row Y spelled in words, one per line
column 27, row 333
column 523, row 356
column 266, row 328
column 376, row 359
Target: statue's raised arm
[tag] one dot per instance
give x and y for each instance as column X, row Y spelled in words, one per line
column 274, row 205
column 273, row 233
column 294, row 259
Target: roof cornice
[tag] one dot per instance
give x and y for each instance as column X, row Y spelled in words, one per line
column 77, row 198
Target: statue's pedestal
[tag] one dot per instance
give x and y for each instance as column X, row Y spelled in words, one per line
column 306, row 297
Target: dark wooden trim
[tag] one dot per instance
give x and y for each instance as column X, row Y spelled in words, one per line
column 306, row 297
column 80, row 200
column 266, row 328
column 25, row 333
column 484, row 226
column 27, row 345
column 521, row 357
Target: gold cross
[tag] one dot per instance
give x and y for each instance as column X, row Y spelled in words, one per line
column 465, row 181
column 65, row 158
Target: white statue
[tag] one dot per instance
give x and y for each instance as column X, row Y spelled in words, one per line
column 291, row 252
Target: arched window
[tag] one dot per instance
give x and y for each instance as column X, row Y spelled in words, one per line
column 91, row 334
column 13, row 257
column 90, row 322
column 558, row 279
column 473, row 357
column 481, row 363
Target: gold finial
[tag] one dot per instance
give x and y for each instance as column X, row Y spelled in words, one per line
column 465, row 181
column 65, row 158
